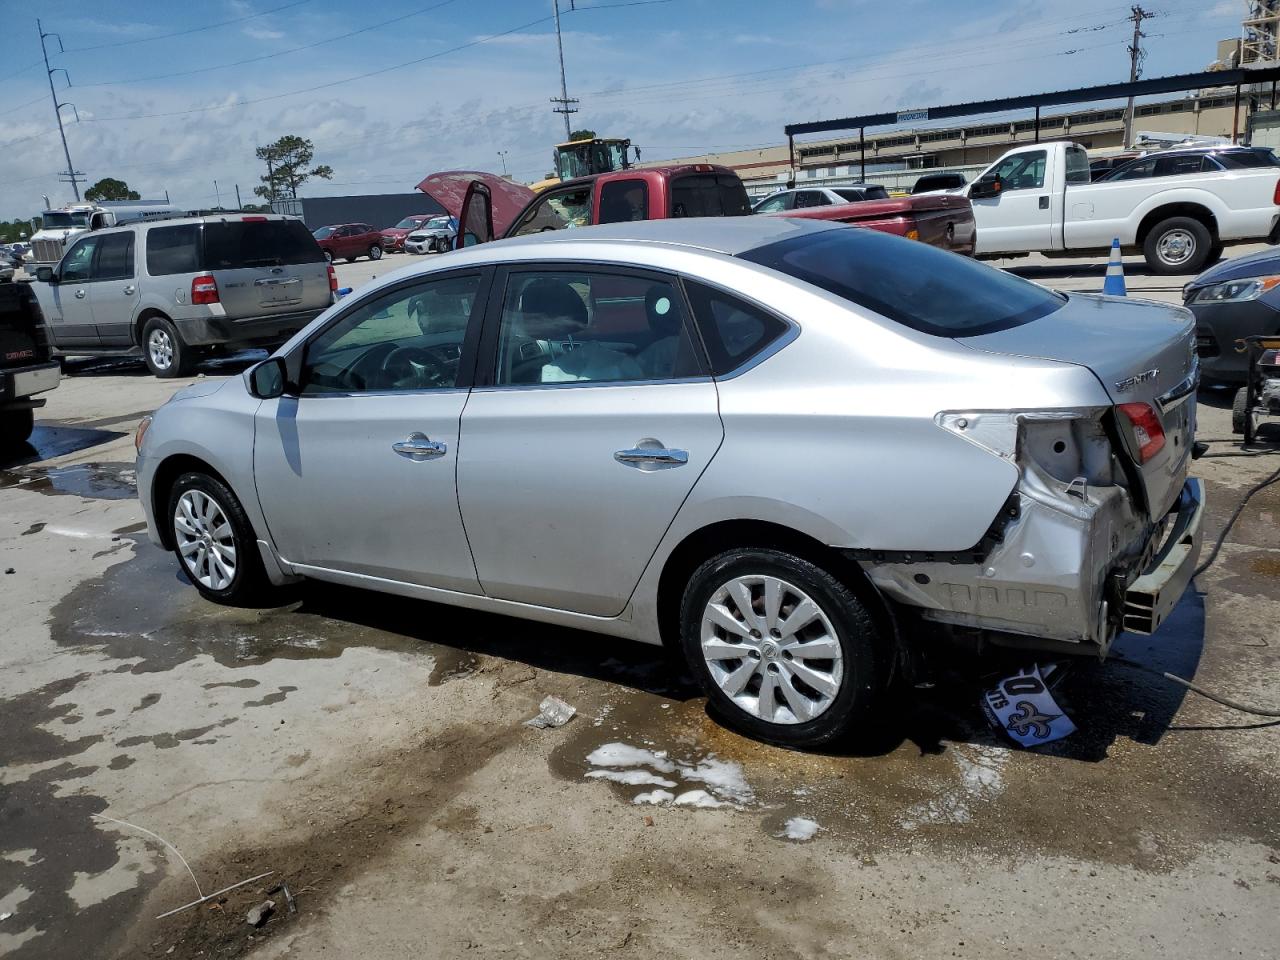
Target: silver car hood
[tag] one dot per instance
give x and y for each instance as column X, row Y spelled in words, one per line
column 1139, row 350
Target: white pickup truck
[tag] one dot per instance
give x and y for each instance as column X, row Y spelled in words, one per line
column 1038, row 199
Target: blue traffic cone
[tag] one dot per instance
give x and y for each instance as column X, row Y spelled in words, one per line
column 1113, row 285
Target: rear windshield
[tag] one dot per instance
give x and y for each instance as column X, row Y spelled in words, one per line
column 1245, row 159
column 917, row 285
column 862, row 193
column 708, row 195
column 258, row 243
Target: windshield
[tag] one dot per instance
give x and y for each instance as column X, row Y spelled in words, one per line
column 58, row 220
column 408, row 223
column 324, row 232
column 909, row 282
column 439, row 223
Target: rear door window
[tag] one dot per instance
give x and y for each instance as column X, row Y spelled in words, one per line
column 173, row 250
column 115, row 257
column 231, row 245
column 914, row 284
column 708, row 195
column 1247, row 159
column 1139, row 170
column 1178, row 166
column 733, row 330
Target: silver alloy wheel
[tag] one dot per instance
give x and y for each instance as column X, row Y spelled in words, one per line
column 771, row 649
column 205, row 539
column 375, row 252
column 160, row 347
column 1176, row 247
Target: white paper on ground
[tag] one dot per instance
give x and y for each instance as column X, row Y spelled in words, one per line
column 552, row 712
column 1023, row 707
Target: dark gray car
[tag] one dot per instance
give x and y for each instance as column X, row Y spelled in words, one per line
column 1237, row 298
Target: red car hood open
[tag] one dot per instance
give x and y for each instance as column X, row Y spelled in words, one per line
column 450, row 187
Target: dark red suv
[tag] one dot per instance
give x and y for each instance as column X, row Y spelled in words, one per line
column 349, row 241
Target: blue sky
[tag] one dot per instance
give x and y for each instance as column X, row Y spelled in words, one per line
column 165, row 111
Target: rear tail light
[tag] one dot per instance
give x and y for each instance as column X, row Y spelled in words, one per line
column 1144, row 423
column 333, row 279
column 204, row 289
column 1275, row 194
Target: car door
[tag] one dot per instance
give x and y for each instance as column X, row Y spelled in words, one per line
column 355, row 465
column 591, row 420
column 71, row 319
column 1019, row 216
column 114, row 291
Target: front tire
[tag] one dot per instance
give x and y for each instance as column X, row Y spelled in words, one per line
column 1177, row 245
column 328, row 256
column 214, row 541
column 1240, row 410
column 786, row 653
column 166, row 355
column 375, row 252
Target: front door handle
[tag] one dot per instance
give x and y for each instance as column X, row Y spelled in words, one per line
column 651, row 455
column 417, row 446
column 79, row 294
column 1044, row 203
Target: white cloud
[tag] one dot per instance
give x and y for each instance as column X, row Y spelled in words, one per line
column 263, row 33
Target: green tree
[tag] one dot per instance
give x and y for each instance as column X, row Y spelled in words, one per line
column 582, row 135
column 288, row 163
column 109, row 188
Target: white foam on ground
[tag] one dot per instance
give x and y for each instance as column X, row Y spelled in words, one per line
column 800, row 829
column 655, row 797
column 625, row 755
column 723, row 776
column 633, row 778
column 700, row 799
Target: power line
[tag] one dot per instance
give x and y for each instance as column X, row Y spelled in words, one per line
column 21, row 105
column 30, row 66
column 190, row 30
column 274, row 54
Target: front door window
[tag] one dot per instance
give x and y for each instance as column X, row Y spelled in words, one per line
column 561, row 210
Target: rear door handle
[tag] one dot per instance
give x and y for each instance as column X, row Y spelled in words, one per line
column 130, row 290
column 79, row 294
column 417, row 446
column 652, row 458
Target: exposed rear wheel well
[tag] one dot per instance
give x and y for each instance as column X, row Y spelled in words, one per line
column 712, row 540
column 1192, row 210
column 167, row 475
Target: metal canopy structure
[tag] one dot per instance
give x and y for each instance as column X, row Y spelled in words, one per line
column 1034, row 101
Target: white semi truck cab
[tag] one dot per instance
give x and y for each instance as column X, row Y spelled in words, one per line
column 59, row 227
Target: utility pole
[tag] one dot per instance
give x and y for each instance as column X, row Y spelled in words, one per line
column 502, row 155
column 564, row 99
column 72, row 175
column 1136, row 56
column 239, row 205
column 217, row 195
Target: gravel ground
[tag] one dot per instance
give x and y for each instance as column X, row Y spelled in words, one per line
column 369, row 753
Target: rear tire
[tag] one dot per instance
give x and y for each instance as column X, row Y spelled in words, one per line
column 328, row 256
column 812, row 699
column 16, row 427
column 162, row 347
column 1239, row 410
column 1177, row 245
column 214, row 541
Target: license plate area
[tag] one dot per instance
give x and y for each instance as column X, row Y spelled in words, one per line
column 276, row 291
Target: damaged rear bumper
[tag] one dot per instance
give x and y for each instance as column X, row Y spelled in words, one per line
column 1154, row 594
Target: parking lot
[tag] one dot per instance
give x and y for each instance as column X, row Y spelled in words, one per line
column 369, row 753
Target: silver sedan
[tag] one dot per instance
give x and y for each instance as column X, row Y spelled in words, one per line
column 774, row 445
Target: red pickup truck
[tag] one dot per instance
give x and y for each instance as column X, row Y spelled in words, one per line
column 489, row 207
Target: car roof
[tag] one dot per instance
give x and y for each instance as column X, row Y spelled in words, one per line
column 647, row 173
column 727, row 235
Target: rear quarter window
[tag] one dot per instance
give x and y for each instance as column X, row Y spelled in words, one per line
column 173, row 250
column 908, row 282
column 234, row 244
column 1247, row 159
column 733, row 331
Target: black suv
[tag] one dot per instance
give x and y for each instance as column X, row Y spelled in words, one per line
column 25, row 366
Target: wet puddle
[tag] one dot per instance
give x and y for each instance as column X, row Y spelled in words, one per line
column 98, row 481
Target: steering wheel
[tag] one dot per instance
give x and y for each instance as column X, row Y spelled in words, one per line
column 434, row 366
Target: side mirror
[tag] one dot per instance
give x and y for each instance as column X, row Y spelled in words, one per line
column 45, row 275
column 268, row 379
column 985, row 187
